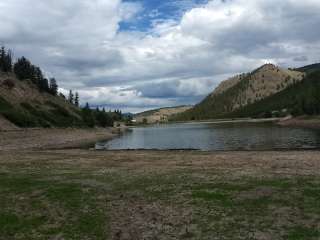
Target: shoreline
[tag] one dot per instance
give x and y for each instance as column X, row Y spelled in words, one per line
column 304, row 122
column 311, row 122
column 46, row 139
column 243, row 120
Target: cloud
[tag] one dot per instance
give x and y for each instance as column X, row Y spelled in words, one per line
column 300, row 59
column 177, row 61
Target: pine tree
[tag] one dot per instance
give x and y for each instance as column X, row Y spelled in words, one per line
column 2, row 57
column 87, row 116
column 23, row 69
column 5, row 60
column 53, row 87
column 103, row 119
column 44, row 85
column 71, row 97
column 37, row 78
column 76, row 99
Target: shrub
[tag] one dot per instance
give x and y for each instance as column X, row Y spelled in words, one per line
column 8, row 83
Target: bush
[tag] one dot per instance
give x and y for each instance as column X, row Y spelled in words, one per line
column 8, row 83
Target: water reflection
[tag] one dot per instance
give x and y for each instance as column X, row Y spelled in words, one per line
column 206, row 136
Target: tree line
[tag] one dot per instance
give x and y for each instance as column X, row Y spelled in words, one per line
column 24, row 69
column 100, row 117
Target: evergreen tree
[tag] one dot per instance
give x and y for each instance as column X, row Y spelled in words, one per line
column 104, row 119
column 37, row 76
column 23, row 69
column 5, row 60
column 76, row 99
column 53, row 87
column 71, row 97
column 2, row 58
column 44, row 85
column 87, row 116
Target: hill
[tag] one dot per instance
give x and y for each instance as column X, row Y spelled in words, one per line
column 309, row 68
column 22, row 104
column 243, row 90
column 29, row 99
column 159, row 115
column 302, row 98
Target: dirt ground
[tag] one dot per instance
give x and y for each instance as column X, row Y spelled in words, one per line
column 53, row 138
column 305, row 122
column 83, row 194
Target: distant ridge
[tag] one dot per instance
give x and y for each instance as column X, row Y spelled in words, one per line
column 160, row 114
column 309, row 68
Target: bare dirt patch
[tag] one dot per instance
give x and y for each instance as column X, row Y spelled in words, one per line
column 52, row 138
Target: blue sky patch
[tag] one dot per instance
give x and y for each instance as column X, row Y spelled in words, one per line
column 158, row 10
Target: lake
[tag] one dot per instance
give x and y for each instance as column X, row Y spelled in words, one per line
column 213, row 136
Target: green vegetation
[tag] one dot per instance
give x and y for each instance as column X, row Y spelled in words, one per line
column 16, row 116
column 216, row 106
column 5, row 60
column 56, row 110
column 53, row 208
column 301, row 98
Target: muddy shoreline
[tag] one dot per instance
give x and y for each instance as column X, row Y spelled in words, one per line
column 312, row 123
column 40, row 139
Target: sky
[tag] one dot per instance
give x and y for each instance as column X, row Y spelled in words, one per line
column 143, row 54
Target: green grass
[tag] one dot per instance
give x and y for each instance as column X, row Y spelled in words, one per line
column 34, row 115
column 31, row 203
column 16, row 115
column 304, row 233
column 57, row 116
column 215, row 197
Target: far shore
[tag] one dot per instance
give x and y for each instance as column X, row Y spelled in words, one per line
column 235, row 120
column 305, row 122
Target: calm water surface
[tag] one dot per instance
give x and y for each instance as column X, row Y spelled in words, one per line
column 210, row 136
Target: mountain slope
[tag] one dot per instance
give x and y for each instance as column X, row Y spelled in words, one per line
column 299, row 99
column 243, row 90
column 309, row 68
column 159, row 115
column 22, row 104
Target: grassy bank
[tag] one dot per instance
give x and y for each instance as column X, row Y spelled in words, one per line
column 78, row 194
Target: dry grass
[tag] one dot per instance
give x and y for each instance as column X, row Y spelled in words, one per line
column 79, row 194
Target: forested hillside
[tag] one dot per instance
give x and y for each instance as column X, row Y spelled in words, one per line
column 29, row 99
column 302, row 98
column 294, row 95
